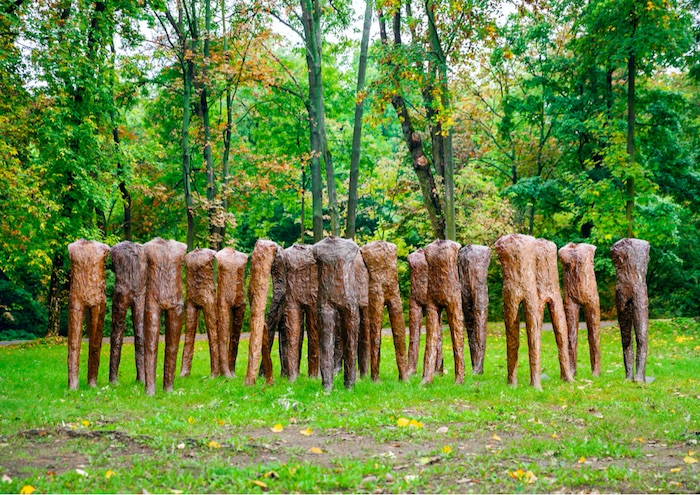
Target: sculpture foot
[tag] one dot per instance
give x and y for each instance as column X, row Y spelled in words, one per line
column 426, row 381
column 114, row 382
column 92, row 383
column 150, row 392
column 169, row 388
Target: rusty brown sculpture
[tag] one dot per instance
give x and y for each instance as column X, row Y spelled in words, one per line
column 260, row 271
column 163, row 293
column 518, row 256
column 87, row 295
column 230, row 305
column 443, row 293
column 631, row 257
column 363, row 337
column 581, row 289
column 337, row 302
column 274, row 319
column 129, row 263
column 300, row 306
column 380, row 260
column 201, row 297
column 547, row 277
column 474, row 263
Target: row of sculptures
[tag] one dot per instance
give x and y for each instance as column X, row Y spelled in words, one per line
column 335, row 292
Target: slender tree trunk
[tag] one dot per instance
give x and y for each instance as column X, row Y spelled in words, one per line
column 357, row 128
column 227, row 131
column 56, row 293
column 303, row 205
column 126, row 196
column 631, row 73
column 214, row 231
column 188, row 75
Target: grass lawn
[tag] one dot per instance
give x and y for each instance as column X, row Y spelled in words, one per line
column 213, row 435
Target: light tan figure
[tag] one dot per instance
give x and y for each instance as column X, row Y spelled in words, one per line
column 380, row 260
column 631, row 257
column 260, row 269
column 581, row 289
column 300, row 306
column 547, row 276
column 518, row 256
column 474, row 263
column 231, row 305
column 163, row 293
column 201, row 296
column 364, row 343
column 443, row 293
column 87, row 295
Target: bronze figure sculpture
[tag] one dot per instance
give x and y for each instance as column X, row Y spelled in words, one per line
column 230, row 305
column 474, row 263
column 363, row 338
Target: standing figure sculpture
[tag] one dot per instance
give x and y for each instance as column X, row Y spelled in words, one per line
column 87, row 295
column 274, row 319
column 129, row 262
column 201, row 296
column 300, row 309
column 163, row 293
column 230, row 305
column 260, row 271
column 474, row 263
column 380, row 260
column 337, row 305
column 443, row 293
column 364, row 344
column 517, row 254
column 581, row 289
column 631, row 257
column 547, row 276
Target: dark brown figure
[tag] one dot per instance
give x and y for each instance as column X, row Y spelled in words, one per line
column 337, row 305
column 274, row 319
column 547, row 276
column 87, row 294
column 518, row 256
column 163, row 293
column 581, row 289
column 129, row 262
column 363, row 338
column 380, row 260
column 474, row 263
column 201, row 296
column 300, row 307
column 631, row 257
column 230, row 304
column 260, row 270
column 443, row 293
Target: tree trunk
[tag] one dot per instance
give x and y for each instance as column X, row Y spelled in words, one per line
column 56, row 293
column 214, row 231
column 631, row 73
column 357, row 128
column 227, row 131
column 126, row 196
column 188, row 75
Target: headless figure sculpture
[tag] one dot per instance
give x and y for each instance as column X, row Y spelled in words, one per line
column 300, row 308
column 274, row 319
column 87, row 295
column 129, row 262
column 380, row 260
column 201, row 296
column 443, row 293
column 517, row 254
column 230, row 304
column 631, row 257
column 163, row 293
column 363, row 338
column 547, row 277
column 260, row 269
column 474, row 263
column 581, row 289
column 417, row 303
column 337, row 305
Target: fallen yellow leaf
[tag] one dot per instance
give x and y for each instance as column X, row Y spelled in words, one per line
column 271, row 475
column 221, row 422
column 689, row 460
column 85, row 423
column 676, row 470
column 315, row 450
column 402, row 422
column 691, row 453
column 277, row 428
column 530, row 477
column 518, row 475
column 306, row 432
column 214, row 445
column 109, row 474
column 581, row 460
column 446, row 449
column 415, row 424
column 496, row 437
column 191, row 420
column 554, row 435
column 260, row 484
column 27, row 489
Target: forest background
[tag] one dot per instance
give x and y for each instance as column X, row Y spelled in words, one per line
column 218, row 122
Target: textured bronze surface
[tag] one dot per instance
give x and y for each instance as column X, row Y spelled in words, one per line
column 474, row 263
column 230, row 305
column 260, row 271
column 363, row 337
column 380, row 260
column 201, row 297
column 443, row 293
column 274, row 319
column 337, row 302
column 631, row 257
column 163, row 293
column 129, row 263
column 581, row 289
column 87, row 295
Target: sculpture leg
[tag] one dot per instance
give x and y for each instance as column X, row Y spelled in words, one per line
column 191, row 320
column 432, row 340
column 571, row 308
column 556, row 311
column 364, row 343
column 398, row 329
column 282, row 343
column 624, row 318
column 592, row 314
column 374, row 315
column 479, row 320
column 349, row 328
column 533, row 328
column 95, row 331
column 440, row 360
column 510, row 320
column 76, row 312
column 640, row 318
column 454, row 317
column 312, row 341
column 415, row 318
column 151, row 327
column 120, row 303
column 173, row 329
column 137, row 309
column 266, row 358
column 338, row 356
column 238, row 312
column 326, row 337
column 210, row 321
column 223, row 337
column 292, row 322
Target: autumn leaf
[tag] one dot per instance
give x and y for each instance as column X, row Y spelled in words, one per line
column 496, row 437
column 220, row 422
column 306, row 432
column 581, row 460
column 277, row 428
column 676, row 470
column 554, row 435
column 446, row 449
column 85, row 423
column 402, row 422
column 530, row 477
column 259, row 483
column 689, row 460
column 27, row 489
column 214, row 445
column 191, row 420
column 415, row 424
column 315, row 450
column 518, row 475
column 109, row 474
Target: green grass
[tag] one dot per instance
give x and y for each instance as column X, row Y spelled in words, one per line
column 631, row 436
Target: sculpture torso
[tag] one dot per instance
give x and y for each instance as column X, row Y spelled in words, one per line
column 443, row 279
column 578, row 269
column 302, row 274
column 130, row 268
column 231, row 265
column 87, row 276
column 165, row 271
column 419, row 276
column 336, row 276
column 201, row 288
column 517, row 253
column 380, row 260
column 631, row 257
